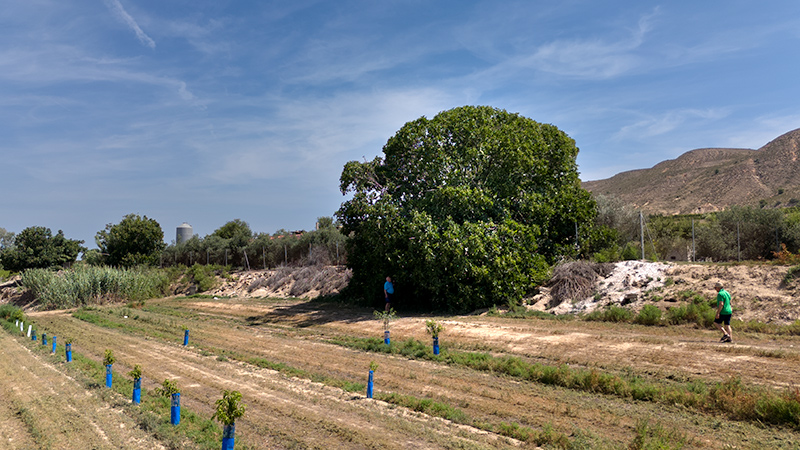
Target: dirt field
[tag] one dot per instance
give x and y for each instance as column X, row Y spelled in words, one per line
column 40, row 403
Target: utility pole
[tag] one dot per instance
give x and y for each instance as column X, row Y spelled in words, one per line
column 641, row 232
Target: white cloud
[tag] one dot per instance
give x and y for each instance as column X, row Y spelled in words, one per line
column 312, row 138
column 656, row 125
column 761, row 131
column 116, row 8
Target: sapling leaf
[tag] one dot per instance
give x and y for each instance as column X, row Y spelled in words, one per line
column 229, row 407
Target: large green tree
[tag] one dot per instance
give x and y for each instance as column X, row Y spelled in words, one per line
column 37, row 248
column 464, row 210
column 134, row 241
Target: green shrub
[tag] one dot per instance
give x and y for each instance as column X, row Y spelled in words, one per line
column 791, row 274
column 648, row 315
column 610, row 314
column 11, row 312
column 203, row 276
column 699, row 312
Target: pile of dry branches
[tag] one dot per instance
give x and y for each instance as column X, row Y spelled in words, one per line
column 575, row 280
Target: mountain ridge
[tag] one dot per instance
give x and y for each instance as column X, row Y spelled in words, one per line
column 712, row 179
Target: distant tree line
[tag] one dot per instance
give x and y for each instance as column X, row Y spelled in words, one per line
column 736, row 233
column 139, row 241
column 234, row 244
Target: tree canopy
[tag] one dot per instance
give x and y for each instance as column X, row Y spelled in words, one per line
column 464, row 210
column 134, row 241
column 37, row 248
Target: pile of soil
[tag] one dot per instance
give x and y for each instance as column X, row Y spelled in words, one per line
column 759, row 291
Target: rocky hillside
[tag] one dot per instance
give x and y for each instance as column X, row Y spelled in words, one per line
column 711, row 179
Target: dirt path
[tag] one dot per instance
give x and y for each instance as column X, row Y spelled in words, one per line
column 43, row 408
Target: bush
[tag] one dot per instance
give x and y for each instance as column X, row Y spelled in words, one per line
column 791, row 274
column 611, row 314
column 203, row 276
column 699, row 312
column 11, row 312
column 649, row 315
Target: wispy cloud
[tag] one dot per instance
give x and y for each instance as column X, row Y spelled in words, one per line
column 595, row 58
column 314, row 138
column 762, row 130
column 669, row 121
column 116, row 8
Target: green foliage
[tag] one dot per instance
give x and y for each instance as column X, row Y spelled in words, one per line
column 203, row 276
column 229, row 407
column 465, row 210
column 108, row 358
column 610, row 314
column 648, row 315
column 618, row 216
column 426, row 406
column 11, row 312
column 386, row 317
column 6, row 239
column 433, row 327
column 168, row 387
column 746, row 232
column 699, row 311
column 235, row 245
column 92, row 257
column 373, row 366
column 791, row 274
column 655, row 437
column 88, row 284
column 136, row 373
column 237, row 230
column 325, row 222
column 134, row 241
column 36, row 247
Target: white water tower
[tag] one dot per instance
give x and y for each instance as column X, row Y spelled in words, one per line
column 184, row 233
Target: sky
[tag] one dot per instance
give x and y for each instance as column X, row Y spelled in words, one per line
column 206, row 111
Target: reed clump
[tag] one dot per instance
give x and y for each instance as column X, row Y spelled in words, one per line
column 86, row 285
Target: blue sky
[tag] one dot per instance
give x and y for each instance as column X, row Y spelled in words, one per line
column 206, row 111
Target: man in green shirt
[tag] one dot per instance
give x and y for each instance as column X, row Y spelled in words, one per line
column 724, row 312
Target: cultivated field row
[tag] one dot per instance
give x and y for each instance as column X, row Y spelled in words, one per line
column 302, row 367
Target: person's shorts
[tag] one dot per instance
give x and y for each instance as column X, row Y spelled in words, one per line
column 389, row 298
column 723, row 318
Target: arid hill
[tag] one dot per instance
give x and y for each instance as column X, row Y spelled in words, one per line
column 711, row 179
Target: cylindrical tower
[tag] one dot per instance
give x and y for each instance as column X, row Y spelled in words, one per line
column 184, row 233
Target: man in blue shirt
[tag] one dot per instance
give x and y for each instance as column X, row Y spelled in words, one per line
column 388, row 292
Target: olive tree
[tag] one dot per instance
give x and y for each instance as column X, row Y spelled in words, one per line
column 464, row 210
